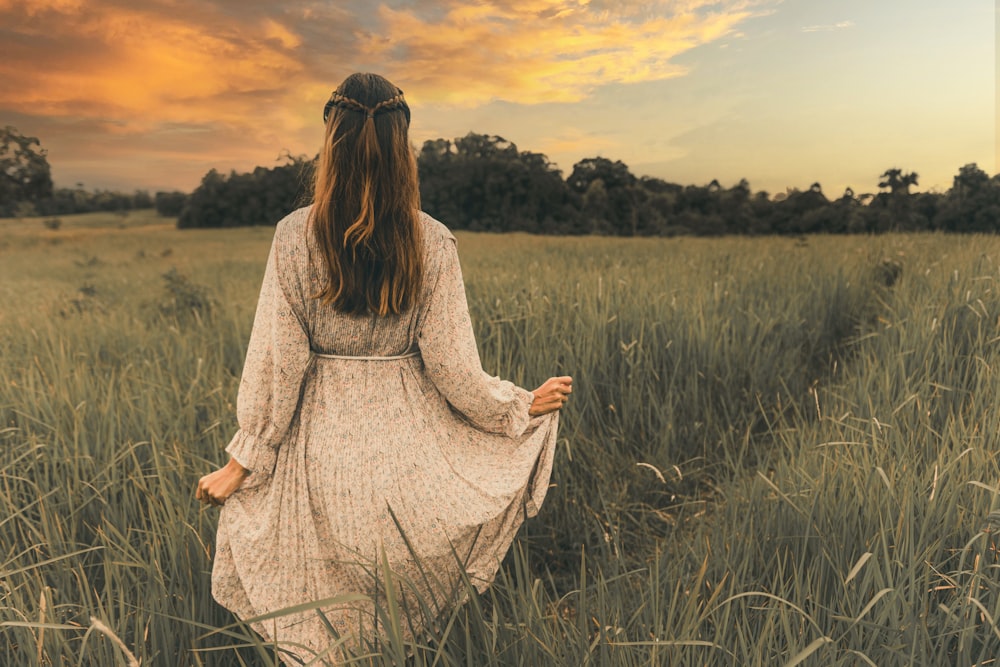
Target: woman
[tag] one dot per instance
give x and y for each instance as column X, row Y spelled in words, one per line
column 373, row 449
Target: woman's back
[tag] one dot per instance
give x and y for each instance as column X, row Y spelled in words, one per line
column 332, row 332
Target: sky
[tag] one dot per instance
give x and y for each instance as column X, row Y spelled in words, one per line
column 134, row 94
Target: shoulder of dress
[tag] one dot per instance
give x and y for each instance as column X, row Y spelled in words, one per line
column 291, row 230
column 294, row 221
column 434, row 229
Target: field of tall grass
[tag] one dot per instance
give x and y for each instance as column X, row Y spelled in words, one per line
column 778, row 452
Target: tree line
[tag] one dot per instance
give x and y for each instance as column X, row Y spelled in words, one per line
column 485, row 183
column 260, row 197
column 26, row 187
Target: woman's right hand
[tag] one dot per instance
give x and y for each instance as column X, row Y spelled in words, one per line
column 551, row 396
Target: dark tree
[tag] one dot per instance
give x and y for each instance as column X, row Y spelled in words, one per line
column 972, row 204
column 897, row 182
column 613, row 174
column 483, row 182
column 892, row 210
column 25, row 176
column 610, row 195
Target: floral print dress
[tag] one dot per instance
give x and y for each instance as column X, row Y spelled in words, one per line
column 386, row 464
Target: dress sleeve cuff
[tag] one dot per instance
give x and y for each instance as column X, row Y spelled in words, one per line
column 516, row 420
column 256, row 457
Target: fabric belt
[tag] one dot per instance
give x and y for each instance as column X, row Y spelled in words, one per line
column 408, row 355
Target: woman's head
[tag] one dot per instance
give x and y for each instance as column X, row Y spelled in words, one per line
column 363, row 92
column 366, row 199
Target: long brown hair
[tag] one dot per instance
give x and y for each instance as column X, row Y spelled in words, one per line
column 366, row 200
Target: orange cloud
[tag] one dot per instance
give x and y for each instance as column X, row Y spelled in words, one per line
column 141, row 66
column 237, row 81
column 534, row 51
column 183, row 61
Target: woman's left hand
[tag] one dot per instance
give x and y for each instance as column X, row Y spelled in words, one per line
column 551, row 396
column 214, row 488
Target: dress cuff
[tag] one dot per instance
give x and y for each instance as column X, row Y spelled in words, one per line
column 258, row 458
column 516, row 420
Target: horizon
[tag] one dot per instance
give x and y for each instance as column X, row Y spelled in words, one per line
column 783, row 93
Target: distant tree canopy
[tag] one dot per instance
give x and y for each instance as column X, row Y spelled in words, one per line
column 68, row 201
column 25, row 176
column 261, row 197
column 485, row 183
column 972, row 204
column 482, row 182
column 170, row 204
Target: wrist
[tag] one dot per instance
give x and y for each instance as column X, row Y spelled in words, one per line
column 237, row 467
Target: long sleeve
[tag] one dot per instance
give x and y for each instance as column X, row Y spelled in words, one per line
column 277, row 358
column 448, row 347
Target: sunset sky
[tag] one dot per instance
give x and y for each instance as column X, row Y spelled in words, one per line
column 129, row 94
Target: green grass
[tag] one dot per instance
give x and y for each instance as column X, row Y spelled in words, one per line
column 771, row 457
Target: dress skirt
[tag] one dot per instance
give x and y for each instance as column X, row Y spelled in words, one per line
column 378, row 483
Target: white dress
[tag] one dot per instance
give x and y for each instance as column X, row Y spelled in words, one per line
column 371, row 439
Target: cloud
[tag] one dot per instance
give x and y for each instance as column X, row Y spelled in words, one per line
column 94, row 79
column 142, row 65
column 535, row 51
column 829, row 27
column 164, row 60
column 236, row 81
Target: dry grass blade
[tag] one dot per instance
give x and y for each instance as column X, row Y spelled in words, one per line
column 96, row 624
column 857, row 567
column 814, row 646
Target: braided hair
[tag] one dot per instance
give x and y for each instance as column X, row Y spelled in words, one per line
column 340, row 101
column 366, row 200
